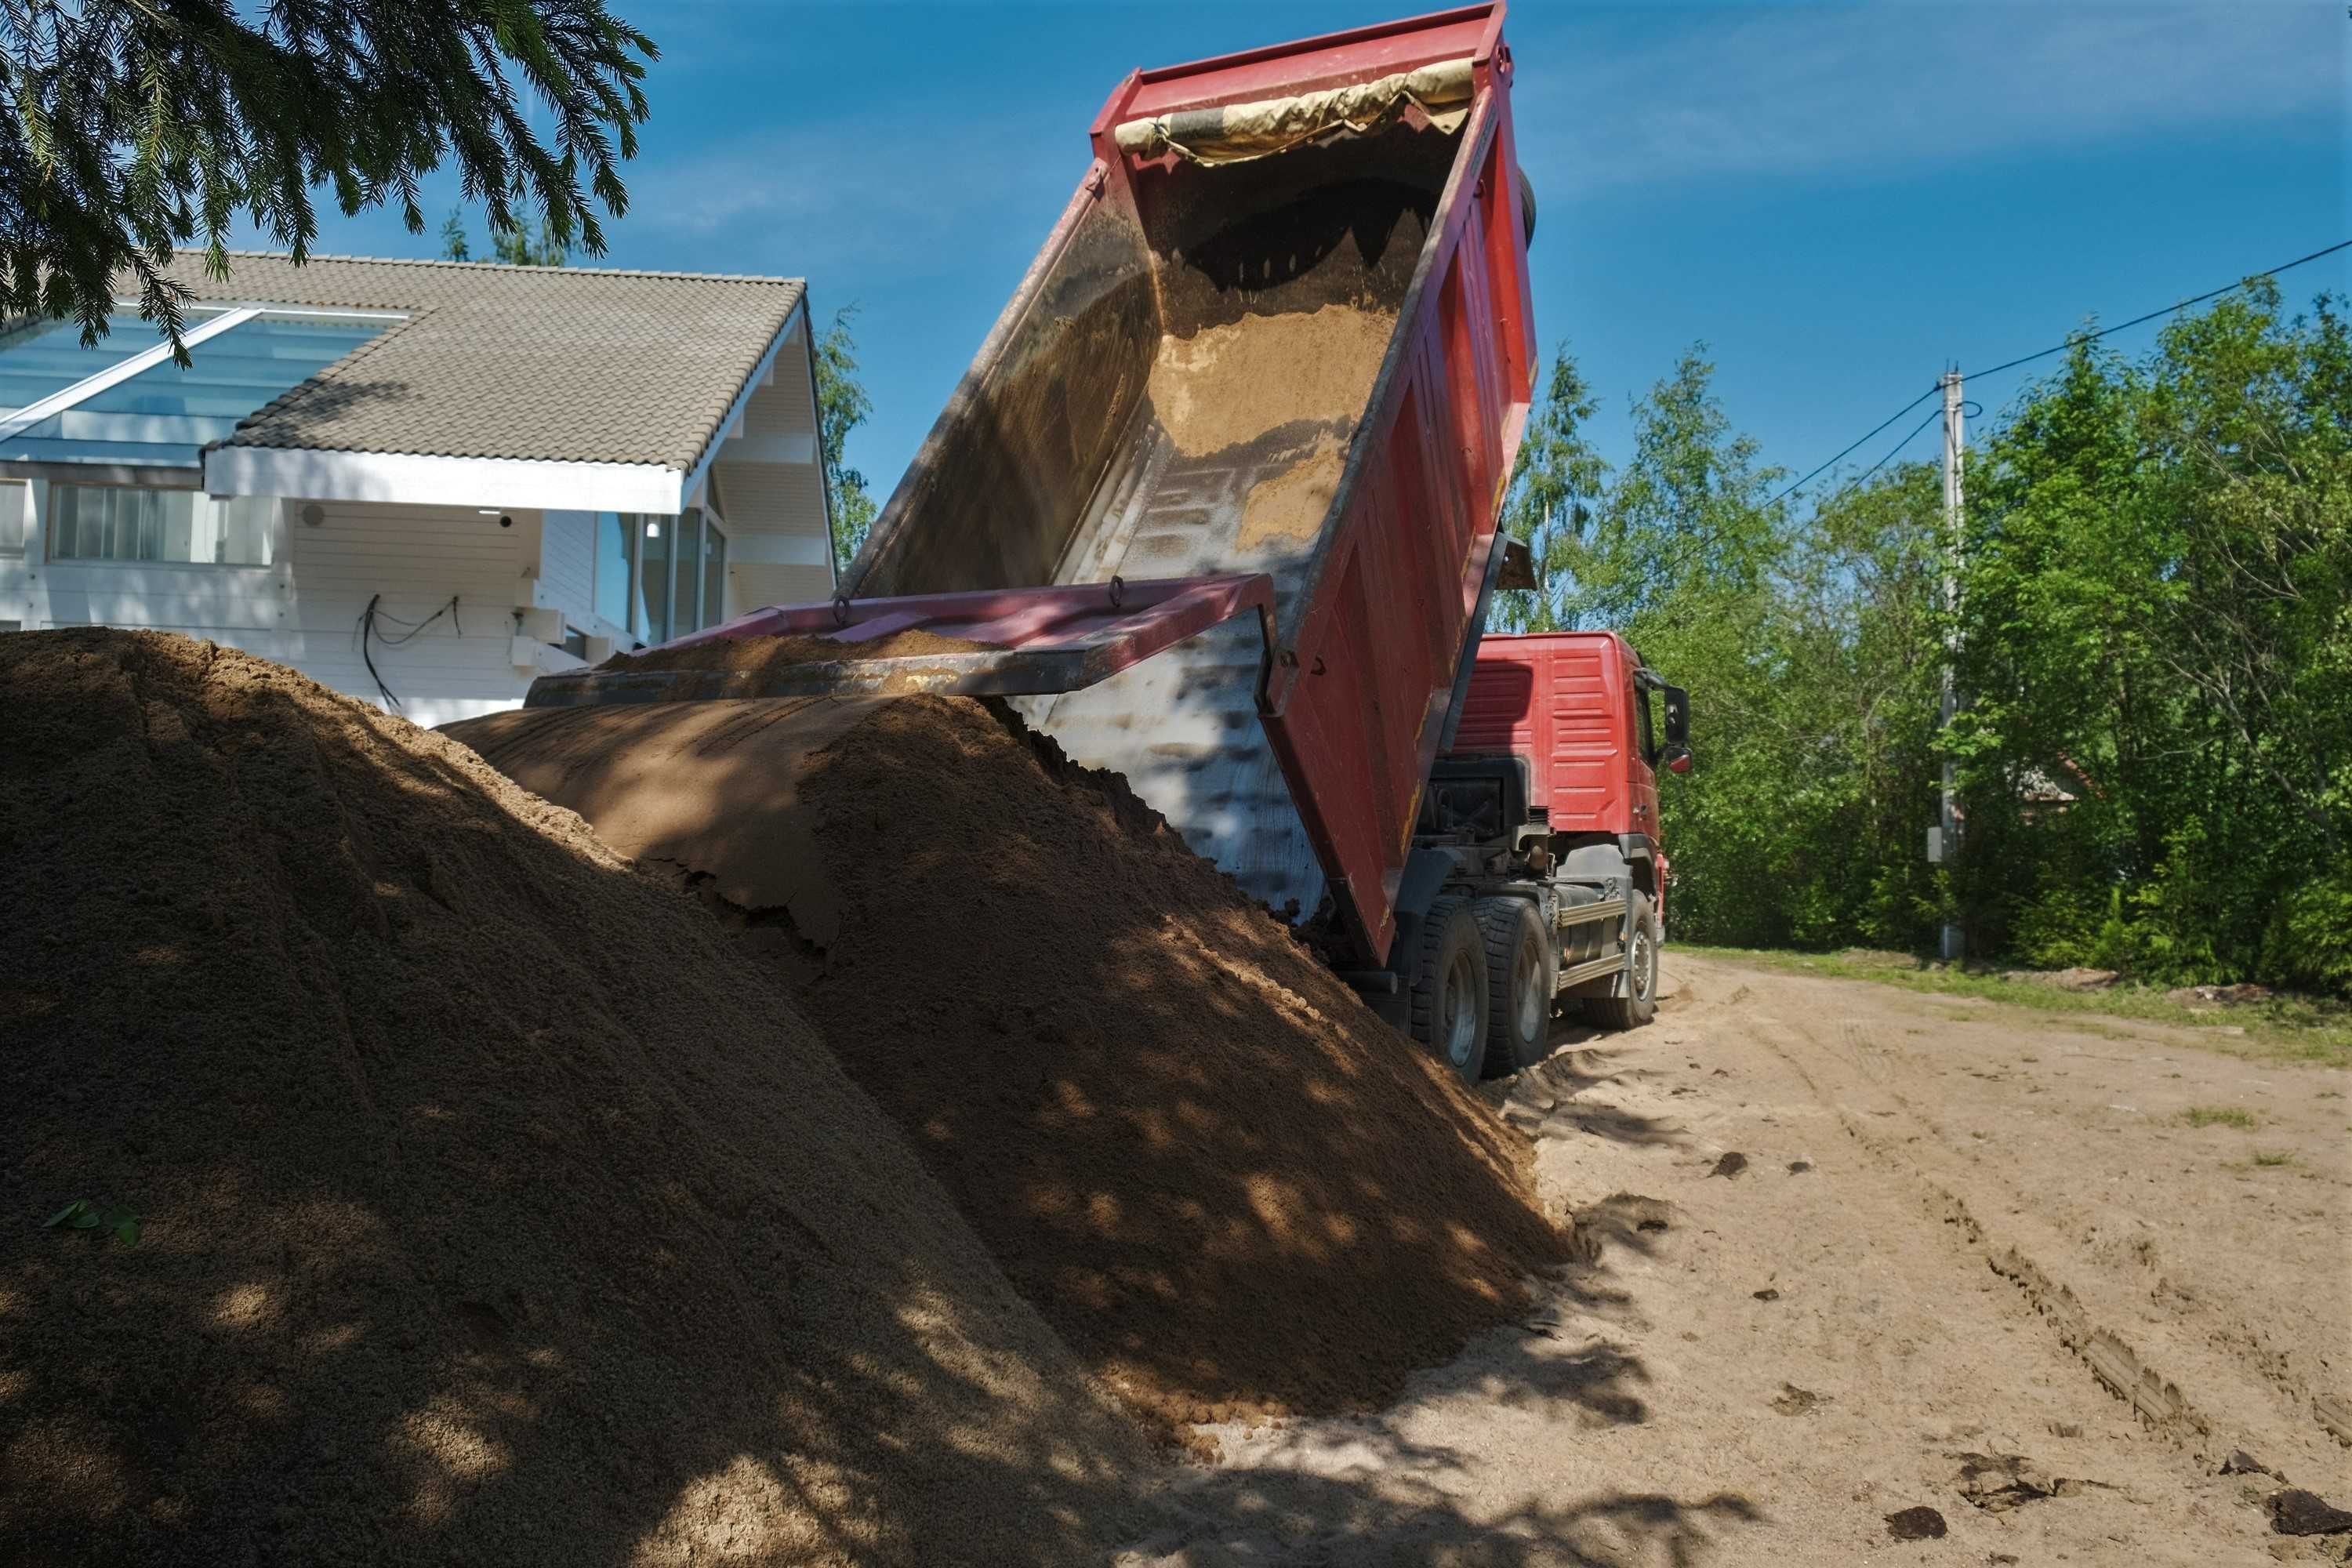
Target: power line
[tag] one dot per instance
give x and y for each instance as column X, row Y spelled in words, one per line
column 2045, row 353
column 1865, row 435
column 1860, row 478
column 2168, row 310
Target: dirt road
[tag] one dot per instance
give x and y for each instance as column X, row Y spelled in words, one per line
column 1853, row 1251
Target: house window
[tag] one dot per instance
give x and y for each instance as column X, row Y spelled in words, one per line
column 16, row 506
column 685, row 580
column 714, row 575
column 651, row 606
column 112, row 522
column 659, row 577
column 616, row 566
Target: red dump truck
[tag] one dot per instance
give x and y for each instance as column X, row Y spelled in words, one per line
column 1538, row 834
column 1216, row 507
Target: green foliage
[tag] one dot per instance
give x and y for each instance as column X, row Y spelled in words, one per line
column 2235, row 1116
column 2281, row 1028
column 2154, row 637
column 511, row 245
column 2158, row 657
column 842, row 406
column 1556, row 476
column 83, row 1215
column 514, row 247
column 136, row 128
column 1814, row 717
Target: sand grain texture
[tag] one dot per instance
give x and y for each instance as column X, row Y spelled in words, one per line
column 1287, row 510
column 1230, row 384
column 495, row 1209
column 1230, row 1187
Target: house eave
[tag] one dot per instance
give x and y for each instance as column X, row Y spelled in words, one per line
column 422, row 480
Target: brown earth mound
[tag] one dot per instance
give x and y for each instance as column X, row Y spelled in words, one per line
column 491, row 1208
column 781, row 653
column 1231, row 1187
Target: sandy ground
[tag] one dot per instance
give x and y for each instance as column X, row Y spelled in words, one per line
column 1966, row 1236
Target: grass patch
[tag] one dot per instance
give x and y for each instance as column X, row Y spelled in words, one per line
column 2283, row 1029
column 2236, row 1116
column 2284, row 1157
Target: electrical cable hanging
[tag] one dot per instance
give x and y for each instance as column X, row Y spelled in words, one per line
column 1865, row 435
column 2070, row 342
column 366, row 631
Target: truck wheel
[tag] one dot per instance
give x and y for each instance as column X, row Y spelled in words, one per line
column 1639, row 1002
column 1522, row 968
column 1447, row 991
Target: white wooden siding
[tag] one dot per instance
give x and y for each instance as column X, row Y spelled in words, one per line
column 567, row 550
column 303, row 609
column 755, row 586
column 771, row 487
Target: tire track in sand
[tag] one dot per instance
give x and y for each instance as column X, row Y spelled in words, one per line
column 2024, row 1251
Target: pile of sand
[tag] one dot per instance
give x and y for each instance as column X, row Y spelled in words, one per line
column 759, row 654
column 1230, row 1186
column 491, row 1208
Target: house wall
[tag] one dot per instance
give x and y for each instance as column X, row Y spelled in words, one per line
column 769, row 488
column 523, row 579
column 304, row 608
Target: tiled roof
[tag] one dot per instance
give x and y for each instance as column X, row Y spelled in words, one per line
column 547, row 363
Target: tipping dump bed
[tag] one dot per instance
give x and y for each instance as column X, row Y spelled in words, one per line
column 1312, row 365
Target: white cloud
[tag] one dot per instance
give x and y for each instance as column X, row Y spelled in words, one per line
column 1800, row 91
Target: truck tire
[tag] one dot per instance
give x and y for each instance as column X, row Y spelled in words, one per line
column 1522, row 969
column 1639, row 1002
column 1446, row 988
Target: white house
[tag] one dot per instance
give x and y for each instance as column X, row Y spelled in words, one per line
column 419, row 482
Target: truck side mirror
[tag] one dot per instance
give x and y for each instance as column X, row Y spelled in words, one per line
column 1677, row 718
column 1679, row 763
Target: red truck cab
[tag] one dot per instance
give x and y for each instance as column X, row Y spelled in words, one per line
column 1577, row 706
column 1538, row 843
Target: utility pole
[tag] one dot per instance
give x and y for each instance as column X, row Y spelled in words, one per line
column 1955, row 945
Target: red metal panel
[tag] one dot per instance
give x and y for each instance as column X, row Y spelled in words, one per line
column 1048, row 639
column 1561, row 699
column 1335, row 59
column 1357, row 703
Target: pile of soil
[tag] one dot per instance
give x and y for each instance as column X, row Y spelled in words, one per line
column 760, row 654
column 490, row 1206
column 1232, row 1188
column 1229, row 384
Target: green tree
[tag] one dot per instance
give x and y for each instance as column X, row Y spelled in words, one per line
column 1555, row 482
column 514, row 247
column 842, row 406
column 511, row 245
column 1815, row 707
column 136, row 126
column 2157, row 623
column 2155, row 636
column 1688, row 518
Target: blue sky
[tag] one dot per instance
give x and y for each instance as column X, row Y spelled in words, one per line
column 1835, row 199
